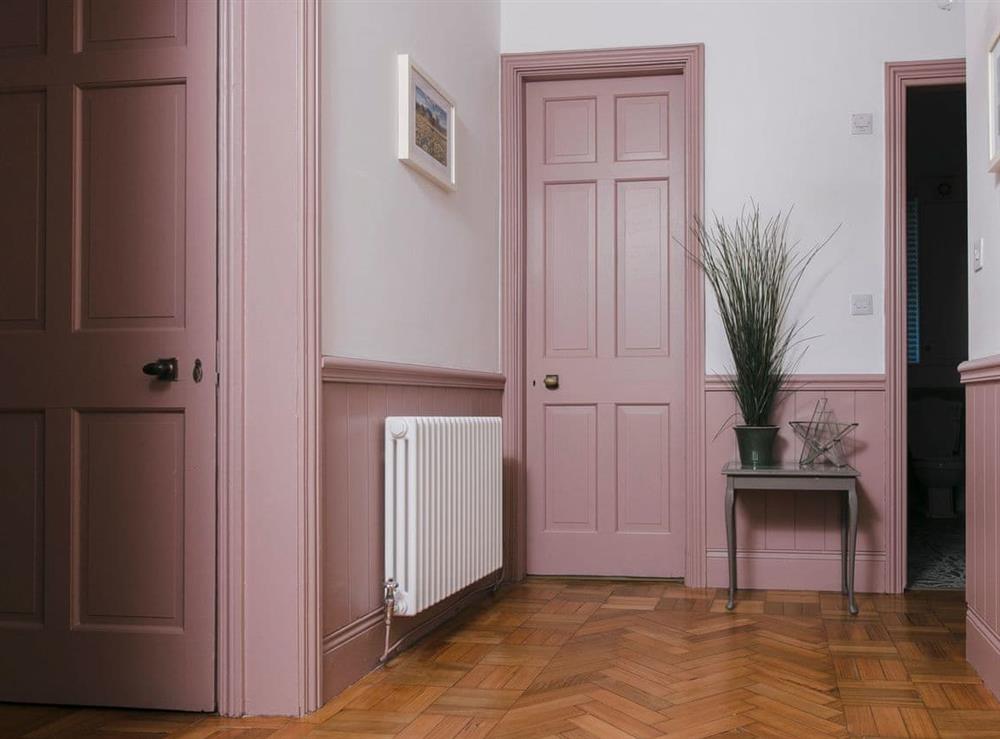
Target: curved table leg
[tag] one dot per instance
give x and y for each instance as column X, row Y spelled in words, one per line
column 852, row 544
column 731, row 541
column 843, row 545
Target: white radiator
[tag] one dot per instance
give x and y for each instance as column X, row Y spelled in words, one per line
column 443, row 513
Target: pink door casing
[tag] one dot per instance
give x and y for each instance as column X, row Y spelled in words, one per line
column 605, row 312
column 108, row 261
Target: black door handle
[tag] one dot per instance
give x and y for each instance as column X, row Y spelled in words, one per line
column 162, row 369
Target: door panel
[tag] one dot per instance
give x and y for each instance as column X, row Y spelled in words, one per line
column 22, row 27
column 131, row 190
column 107, row 475
column 605, row 312
column 22, row 210
column 571, row 470
column 641, row 127
column 110, row 25
column 131, row 575
column 570, row 269
column 641, row 247
column 643, row 464
column 570, row 130
column 22, row 469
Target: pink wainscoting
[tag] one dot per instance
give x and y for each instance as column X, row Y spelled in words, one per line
column 356, row 398
column 982, row 552
column 792, row 540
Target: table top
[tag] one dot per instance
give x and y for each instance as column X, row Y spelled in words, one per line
column 788, row 469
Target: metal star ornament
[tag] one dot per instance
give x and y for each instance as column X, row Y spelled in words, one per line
column 822, row 437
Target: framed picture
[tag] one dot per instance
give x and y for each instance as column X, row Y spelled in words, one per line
column 994, row 103
column 426, row 125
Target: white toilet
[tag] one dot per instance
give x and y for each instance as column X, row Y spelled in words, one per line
column 937, row 454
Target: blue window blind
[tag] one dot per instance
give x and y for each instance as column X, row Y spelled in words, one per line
column 912, row 283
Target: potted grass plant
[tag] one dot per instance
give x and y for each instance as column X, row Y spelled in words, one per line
column 754, row 271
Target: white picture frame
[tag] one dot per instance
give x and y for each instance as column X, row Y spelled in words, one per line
column 426, row 125
column 993, row 79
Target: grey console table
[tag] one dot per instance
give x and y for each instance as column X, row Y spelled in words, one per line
column 799, row 478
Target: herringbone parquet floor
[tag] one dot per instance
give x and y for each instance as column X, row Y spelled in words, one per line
column 599, row 658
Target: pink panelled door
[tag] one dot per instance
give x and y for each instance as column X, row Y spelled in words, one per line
column 605, row 312
column 107, row 263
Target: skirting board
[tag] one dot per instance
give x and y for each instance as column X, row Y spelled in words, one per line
column 796, row 570
column 982, row 649
column 352, row 652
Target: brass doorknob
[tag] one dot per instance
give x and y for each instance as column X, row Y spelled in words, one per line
column 551, row 382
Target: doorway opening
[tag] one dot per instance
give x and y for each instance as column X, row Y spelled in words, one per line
column 936, row 335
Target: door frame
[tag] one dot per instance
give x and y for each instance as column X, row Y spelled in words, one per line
column 268, row 645
column 516, row 71
column 899, row 77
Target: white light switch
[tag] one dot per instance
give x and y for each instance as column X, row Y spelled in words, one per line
column 861, row 124
column 862, row 305
column 978, row 248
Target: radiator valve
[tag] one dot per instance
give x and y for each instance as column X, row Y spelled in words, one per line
column 391, row 586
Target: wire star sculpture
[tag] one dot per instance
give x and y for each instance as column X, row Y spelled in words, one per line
column 822, row 437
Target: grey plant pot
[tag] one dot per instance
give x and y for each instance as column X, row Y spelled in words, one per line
column 756, row 445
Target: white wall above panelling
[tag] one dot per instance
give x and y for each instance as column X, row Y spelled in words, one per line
column 982, row 26
column 410, row 271
column 782, row 80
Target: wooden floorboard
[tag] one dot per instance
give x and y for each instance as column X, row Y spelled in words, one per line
column 601, row 658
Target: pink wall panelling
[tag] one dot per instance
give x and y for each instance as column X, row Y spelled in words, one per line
column 356, row 398
column 792, row 540
column 982, row 512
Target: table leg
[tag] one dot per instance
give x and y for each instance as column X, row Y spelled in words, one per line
column 852, row 544
column 843, row 544
column 731, row 541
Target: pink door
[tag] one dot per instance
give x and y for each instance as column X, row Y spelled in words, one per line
column 605, row 312
column 107, row 263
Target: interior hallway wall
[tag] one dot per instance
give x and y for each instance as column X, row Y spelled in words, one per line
column 982, row 24
column 982, row 373
column 781, row 82
column 410, row 272
column 410, row 276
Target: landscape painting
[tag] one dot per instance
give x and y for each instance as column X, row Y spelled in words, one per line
column 431, row 132
column 426, row 125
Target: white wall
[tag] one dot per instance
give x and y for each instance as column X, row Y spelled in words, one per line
column 410, row 272
column 982, row 23
column 782, row 79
